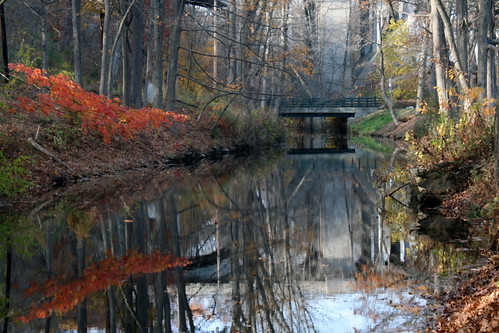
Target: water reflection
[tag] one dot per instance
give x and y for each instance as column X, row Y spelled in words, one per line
column 275, row 248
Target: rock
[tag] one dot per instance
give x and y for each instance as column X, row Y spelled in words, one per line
column 441, row 185
column 443, row 229
column 428, row 201
column 433, row 175
column 418, row 171
column 59, row 181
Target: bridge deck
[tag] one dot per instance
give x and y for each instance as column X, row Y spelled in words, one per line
column 346, row 102
column 311, row 113
column 315, row 107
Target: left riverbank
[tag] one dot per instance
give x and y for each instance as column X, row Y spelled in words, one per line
column 40, row 153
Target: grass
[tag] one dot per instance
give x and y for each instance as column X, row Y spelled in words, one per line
column 375, row 121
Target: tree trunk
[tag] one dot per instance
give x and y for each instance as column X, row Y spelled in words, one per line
column 484, row 16
column 157, row 75
column 439, row 58
column 462, row 34
column 422, row 74
column 105, row 56
column 215, row 44
column 137, row 28
column 77, row 64
column 171, row 95
column 232, row 54
column 5, row 53
column 114, row 68
column 449, row 37
column 347, row 54
column 285, row 47
column 125, row 71
column 45, row 39
column 148, row 73
column 393, row 13
column 496, row 155
column 491, row 58
column 388, row 100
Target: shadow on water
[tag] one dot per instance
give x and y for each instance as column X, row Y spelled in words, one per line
column 296, row 245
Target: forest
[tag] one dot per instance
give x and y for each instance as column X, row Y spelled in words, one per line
column 99, row 87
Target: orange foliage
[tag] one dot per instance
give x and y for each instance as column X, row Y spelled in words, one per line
column 369, row 279
column 63, row 97
column 62, row 295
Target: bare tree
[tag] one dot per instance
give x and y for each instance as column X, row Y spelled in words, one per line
column 439, row 57
column 387, row 99
column 462, row 38
column 136, row 43
column 105, row 57
column 77, row 52
column 45, row 37
column 171, row 79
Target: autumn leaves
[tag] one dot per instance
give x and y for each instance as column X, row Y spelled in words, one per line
column 57, row 95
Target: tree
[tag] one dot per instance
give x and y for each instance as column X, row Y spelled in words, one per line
column 462, row 37
column 45, row 37
column 401, row 49
column 77, row 52
column 106, row 56
column 5, row 52
column 439, row 57
column 171, row 79
column 388, row 100
column 157, row 76
column 136, row 59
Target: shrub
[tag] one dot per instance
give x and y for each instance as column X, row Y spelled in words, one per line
column 457, row 138
column 13, row 176
column 58, row 95
column 260, row 128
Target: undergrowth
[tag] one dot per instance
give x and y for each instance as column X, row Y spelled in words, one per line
column 257, row 128
column 13, row 176
column 467, row 136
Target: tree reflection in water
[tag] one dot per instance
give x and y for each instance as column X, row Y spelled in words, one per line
column 261, row 243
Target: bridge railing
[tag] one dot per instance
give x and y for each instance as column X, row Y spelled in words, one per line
column 333, row 103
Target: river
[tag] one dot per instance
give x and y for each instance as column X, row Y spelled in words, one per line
column 293, row 243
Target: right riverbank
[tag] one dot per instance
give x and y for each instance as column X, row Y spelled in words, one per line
column 451, row 176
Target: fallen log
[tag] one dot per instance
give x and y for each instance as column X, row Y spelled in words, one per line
column 48, row 153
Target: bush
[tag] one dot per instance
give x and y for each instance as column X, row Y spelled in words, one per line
column 457, row 138
column 13, row 176
column 260, row 128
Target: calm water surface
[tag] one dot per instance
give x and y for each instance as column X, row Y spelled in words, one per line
column 295, row 245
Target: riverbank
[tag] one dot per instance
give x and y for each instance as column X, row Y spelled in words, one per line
column 41, row 155
column 461, row 190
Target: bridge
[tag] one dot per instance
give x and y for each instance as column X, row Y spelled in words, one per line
column 319, row 107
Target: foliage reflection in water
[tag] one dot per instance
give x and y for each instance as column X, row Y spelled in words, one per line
column 295, row 246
